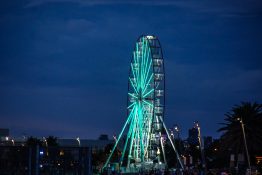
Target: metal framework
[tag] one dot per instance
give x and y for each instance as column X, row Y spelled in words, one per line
column 145, row 107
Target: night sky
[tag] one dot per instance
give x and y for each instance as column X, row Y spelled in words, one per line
column 64, row 63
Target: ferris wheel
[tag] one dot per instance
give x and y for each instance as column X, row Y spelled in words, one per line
column 146, row 99
column 145, row 106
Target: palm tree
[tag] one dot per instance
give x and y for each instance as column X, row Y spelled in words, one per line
column 232, row 134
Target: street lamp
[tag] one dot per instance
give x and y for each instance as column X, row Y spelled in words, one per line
column 13, row 142
column 171, row 133
column 78, row 140
column 245, row 142
column 177, row 130
column 46, row 144
column 197, row 126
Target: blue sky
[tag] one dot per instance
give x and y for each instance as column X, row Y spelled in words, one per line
column 64, row 63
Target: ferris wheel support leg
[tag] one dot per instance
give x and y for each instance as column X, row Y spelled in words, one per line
column 127, row 139
column 168, row 135
column 120, row 135
column 131, row 144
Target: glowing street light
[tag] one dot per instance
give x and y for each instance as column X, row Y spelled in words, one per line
column 46, row 144
column 78, row 140
column 245, row 142
column 171, row 133
column 13, row 142
column 177, row 130
column 201, row 145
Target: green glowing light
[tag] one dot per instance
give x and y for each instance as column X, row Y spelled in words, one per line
column 149, row 92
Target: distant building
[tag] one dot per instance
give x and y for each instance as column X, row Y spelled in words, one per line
column 103, row 137
column 193, row 136
column 208, row 140
column 94, row 144
column 36, row 159
column 71, row 156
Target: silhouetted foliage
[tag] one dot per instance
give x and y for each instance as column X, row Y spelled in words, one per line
column 171, row 156
column 33, row 141
column 232, row 135
column 216, row 156
column 116, row 154
column 52, row 141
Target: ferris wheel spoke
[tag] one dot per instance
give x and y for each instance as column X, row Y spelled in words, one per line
column 144, row 63
column 145, row 59
column 141, row 128
column 137, row 58
column 147, row 127
column 135, row 69
column 147, row 66
column 147, row 72
column 136, row 130
column 136, row 63
column 132, row 138
column 132, row 95
column 141, row 56
column 141, row 47
column 148, row 83
column 134, row 73
column 131, row 105
column 149, row 92
column 134, row 87
column 150, row 104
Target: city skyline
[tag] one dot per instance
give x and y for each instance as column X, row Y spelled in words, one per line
column 64, row 64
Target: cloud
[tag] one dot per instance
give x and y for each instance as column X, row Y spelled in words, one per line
column 34, row 3
column 70, row 59
column 232, row 9
column 205, row 92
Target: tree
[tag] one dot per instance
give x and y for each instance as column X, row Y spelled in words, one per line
column 32, row 141
column 52, row 148
column 51, row 141
column 116, row 154
column 232, row 134
column 216, row 156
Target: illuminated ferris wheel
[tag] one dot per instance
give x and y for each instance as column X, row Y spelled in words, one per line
column 146, row 97
column 145, row 106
